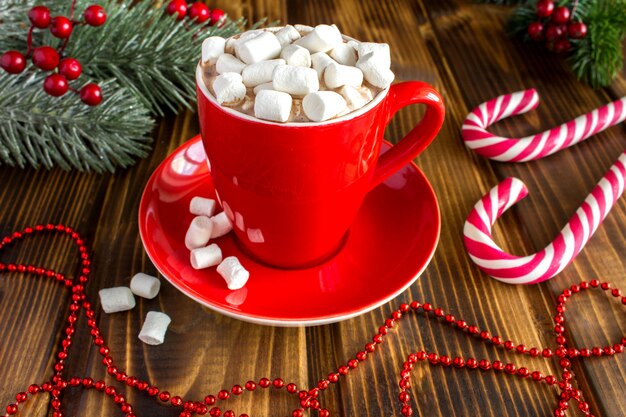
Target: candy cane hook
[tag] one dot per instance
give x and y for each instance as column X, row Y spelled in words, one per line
column 477, row 138
column 548, row 262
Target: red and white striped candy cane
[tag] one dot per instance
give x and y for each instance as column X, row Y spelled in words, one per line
column 548, row 262
column 476, row 136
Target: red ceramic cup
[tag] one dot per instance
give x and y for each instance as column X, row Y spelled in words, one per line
column 293, row 189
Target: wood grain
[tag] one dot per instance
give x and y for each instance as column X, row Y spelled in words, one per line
column 459, row 47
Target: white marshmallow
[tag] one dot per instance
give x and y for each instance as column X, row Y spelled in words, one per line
column 116, row 299
column 321, row 39
column 356, row 98
column 260, row 48
column 232, row 42
column 229, row 88
column 145, row 285
column 323, row 105
column 320, row 61
column 199, row 232
column 205, row 257
column 264, row 86
column 337, row 75
column 375, row 70
column 345, row 54
column 212, row 48
column 381, row 49
column 154, row 328
column 229, row 63
column 272, row 105
column 233, row 273
column 287, row 35
column 221, row 224
column 303, row 28
column 201, row 206
column 296, row 55
column 260, row 73
column 298, row 81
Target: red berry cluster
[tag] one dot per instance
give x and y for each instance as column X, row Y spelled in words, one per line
column 197, row 12
column 48, row 58
column 556, row 27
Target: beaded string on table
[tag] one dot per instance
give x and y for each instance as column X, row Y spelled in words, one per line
column 307, row 399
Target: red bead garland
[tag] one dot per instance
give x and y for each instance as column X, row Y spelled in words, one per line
column 307, row 399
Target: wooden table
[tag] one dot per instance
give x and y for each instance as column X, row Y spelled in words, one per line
column 462, row 49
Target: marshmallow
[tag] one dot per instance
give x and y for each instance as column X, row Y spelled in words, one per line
column 323, row 105
column 298, row 81
column 272, row 105
column 264, row 86
column 201, row 206
column 287, row 35
column 375, row 71
column 221, row 224
column 233, row 273
column 229, row 63
column 229, row 88
column 260, row 48
column 356, row 98
column 381, row 49
column 303, row 28
column 154, row 328
column 212, row 48
column 337, row 75
column 296, row 55
column 320, row 61
column 260, row 73
column 205, row 257
column 145, row 285
column 199, row 232
column 116, row 299
column 321, row 39
column 345, row 54
column 232, row 42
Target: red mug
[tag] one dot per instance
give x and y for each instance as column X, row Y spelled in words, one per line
column 292, row 190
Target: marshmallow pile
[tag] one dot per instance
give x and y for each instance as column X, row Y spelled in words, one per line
column 204, row 227
column 277, row 73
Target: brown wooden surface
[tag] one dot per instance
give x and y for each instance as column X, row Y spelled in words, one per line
column 461, row 48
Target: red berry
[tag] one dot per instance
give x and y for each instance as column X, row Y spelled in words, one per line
column 45, row 58
column 177, row 7
column 71, row 68
column 535, row 30
column 217, row 17
column 91, row 94
column 553, row 32
column 577, row 30
column 13, row 62
column 61, row 27
column 561, row 46
column 95, row 15
column 560, row 15
column 55, row 85
column 544, row 8
column 39, row 16
column 199, row 12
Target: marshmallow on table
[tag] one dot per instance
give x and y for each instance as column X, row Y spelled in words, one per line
column 272, row 105
column 260, row 73
column 212, row 48
column 205, row 257
column 354, row 97
column 116, row 299
column 229, row 63
column 296, row 55
column 260, row 48
column 199, row 232
column 201, row 206
column 323, row 105
column 145, row 285
column 264, row 86
column 344, row 54
column 229, row 88
column 375, row 71
column 382, row 49
column 154, row 328
column 320, row 61
column 321, row 39
column 298, row 81
column 287, row 35
column 233, row 273
column 221, row 225
column 337, row 75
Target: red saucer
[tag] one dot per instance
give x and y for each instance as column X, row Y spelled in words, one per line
column 390, row 243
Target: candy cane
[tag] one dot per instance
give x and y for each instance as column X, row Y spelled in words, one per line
column 548, row 262
column 537, row 146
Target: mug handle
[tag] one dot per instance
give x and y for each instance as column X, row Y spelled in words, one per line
column 401, row 95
